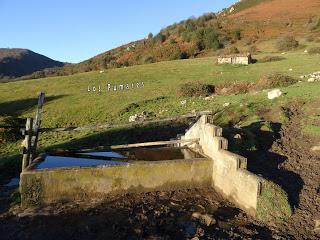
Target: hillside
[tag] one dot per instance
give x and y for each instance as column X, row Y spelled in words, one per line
column 243, row 27
column 16, row 62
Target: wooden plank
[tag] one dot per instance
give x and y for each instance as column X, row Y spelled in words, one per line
column 36, row 125
column 108, row 126
column 27, row 144
column 124, row 146
column 158, row 143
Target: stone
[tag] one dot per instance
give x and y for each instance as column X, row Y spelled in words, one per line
column 184, row 102
column 205, row 219
column 237, row 136
column 315, row 148
column 306, row 51
column 290, row 69
column 317, row 225
column 274, row 94
column 311, row 79
column 226, row 104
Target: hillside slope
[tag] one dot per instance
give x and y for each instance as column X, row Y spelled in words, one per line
column 16, row 62
column 243, row 27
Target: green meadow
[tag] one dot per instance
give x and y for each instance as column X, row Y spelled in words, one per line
column 68, row 102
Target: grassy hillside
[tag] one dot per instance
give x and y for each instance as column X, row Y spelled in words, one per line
column 68, row 103
column 243, row 27
column 16, row 62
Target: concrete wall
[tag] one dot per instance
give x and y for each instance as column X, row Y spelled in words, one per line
column 48, row 186
column 244, row 60
column 229, row 174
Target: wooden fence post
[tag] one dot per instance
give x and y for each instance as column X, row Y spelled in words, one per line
column 27, row 144
column 36, row 125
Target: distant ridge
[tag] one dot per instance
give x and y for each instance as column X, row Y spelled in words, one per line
column 17, row 62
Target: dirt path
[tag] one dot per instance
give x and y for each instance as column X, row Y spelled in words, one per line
column 306, row 164
column 157, row 215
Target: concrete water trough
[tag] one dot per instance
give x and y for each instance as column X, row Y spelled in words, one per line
column 200, row 158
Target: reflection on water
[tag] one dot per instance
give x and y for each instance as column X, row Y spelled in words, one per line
column 59, row 162
column 89, row 159
column 104, row 154
column 158, row 154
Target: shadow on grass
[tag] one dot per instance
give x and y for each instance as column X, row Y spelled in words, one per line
column 256, row 145
column 145, row 133
column 17, row 107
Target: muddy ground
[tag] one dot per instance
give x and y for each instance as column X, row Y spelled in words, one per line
column 283, row 156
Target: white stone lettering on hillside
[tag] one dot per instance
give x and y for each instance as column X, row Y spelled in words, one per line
column 109, row 87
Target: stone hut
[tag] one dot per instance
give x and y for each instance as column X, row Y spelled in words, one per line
column 243, row 59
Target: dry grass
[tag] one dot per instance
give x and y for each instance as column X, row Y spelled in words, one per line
column 192, row 89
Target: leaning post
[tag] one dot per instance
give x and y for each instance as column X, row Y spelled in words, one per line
column 27, row 144
column 36, row 125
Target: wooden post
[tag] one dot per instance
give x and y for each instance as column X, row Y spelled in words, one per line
column 36, row 125
column 27, row 144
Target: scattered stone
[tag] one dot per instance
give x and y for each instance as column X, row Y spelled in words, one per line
column 205, row 219
column 184, row 102
column 317, row 226
column 302, row 76
column 290, row 69
column 306, row 51
column 226, row 104
column 315, row 148
column 141, row 117
column 237, row 136
column 101, row 71
column 274, row 94
column 311, row 80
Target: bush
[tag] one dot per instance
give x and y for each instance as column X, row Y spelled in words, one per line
column 231, row 50
column 275, row 80
column 196, row 89
column 287, row 43
column 236, row 34
column 271, row 59
column 149, row 59
column 315, row 50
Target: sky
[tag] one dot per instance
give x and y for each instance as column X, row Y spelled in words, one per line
column 75, row 30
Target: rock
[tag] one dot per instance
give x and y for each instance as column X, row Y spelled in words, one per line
column 311, row 79
column 205, row 219
column 302, row 77
column 317, row 226
column 283, row 53
column 274, row 94
column 237, row 136
column 315, row 148
column 306, row 51
column 207, row 98
column 226, row 104
column 184, row 102
column 133, row 118
column 290, row 69
column 101, row 71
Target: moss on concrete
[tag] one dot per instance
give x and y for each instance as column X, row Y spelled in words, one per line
column 273, row 204
column 31, row 190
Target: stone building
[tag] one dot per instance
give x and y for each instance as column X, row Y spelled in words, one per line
column 243, row 59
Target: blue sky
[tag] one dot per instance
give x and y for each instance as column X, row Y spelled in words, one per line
column 75, row 30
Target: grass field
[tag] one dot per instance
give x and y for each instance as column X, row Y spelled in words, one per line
column 69, row 103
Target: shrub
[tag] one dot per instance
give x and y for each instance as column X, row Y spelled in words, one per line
column 196, row 89
column 236, row 34
column 315, row 50
column 149, row 59
column 150, row 36
column 275, row 80
column 271, row 59
column 235, row 88
column 231, row 50
column 287, row 43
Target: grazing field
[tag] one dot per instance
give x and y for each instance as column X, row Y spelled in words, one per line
column 68, row 102
column 280, row 137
